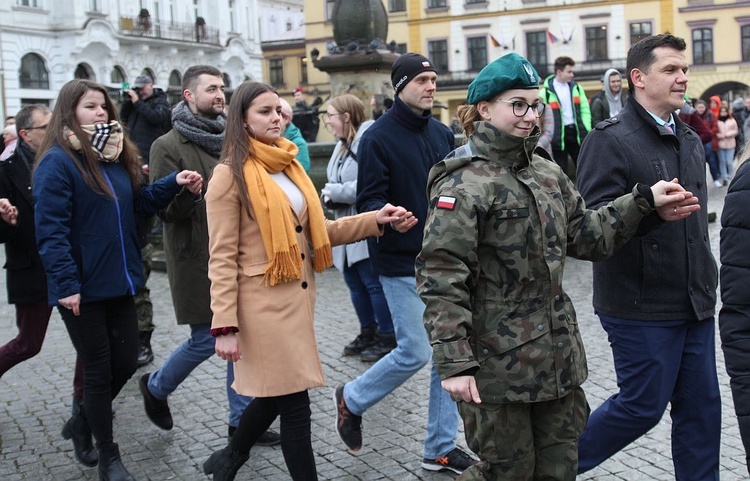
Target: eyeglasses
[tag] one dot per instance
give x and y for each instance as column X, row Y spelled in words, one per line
column 41, row 127
column 328, row 116
column 520, row 107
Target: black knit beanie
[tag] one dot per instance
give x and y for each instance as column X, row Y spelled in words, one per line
column 408, row 66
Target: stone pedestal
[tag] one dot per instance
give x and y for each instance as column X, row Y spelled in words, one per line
column 359, row 73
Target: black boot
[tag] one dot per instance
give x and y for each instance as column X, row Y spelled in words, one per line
column 110, row 465
column 77, row 429
column 224, row 464
column 386, row 343
column 145, row 354
column 365, row 339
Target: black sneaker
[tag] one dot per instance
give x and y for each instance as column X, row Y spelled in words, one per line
column 386, row 343
column 456, row 461
column 145, row 355
column 157, row 410
column 365, row 339
column 348, row 424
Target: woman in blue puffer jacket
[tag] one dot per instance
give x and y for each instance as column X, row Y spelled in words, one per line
column 88, row 191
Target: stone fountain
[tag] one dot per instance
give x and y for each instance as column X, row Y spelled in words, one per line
column 358, row 61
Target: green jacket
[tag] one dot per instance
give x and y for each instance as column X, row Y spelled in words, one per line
column 185, row 228
column 293, row 133
column 491, row 267
column 581, row 111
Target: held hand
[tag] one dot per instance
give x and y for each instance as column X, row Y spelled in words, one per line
column 228, row 347
column 672, row 201
column 400, row 219
column 71, row 302
column 8, row 212
column 463, row 388
column 192, row 181
column 133, row 95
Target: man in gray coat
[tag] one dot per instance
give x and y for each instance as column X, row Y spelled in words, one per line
column 194, row 143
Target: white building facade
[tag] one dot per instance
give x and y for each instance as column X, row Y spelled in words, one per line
column 46, row 43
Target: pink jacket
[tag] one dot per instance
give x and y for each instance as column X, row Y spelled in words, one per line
column 727, row 133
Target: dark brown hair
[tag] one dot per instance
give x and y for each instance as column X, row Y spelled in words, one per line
column 237, row 148
column 64, row 115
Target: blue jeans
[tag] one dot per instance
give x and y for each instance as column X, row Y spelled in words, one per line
column 725, row 163
column 181, row 363
column 367, row 297
column 713, row 160
column 669, row 362
column 411, row 354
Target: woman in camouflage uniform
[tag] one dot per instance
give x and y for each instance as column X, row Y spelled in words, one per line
column 504, row 333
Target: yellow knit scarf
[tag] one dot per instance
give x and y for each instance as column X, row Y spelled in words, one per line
column 274, row 214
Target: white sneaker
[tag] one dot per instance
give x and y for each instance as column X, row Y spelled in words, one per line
column 717, row 183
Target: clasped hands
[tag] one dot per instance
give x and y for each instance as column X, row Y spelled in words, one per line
column 192, row 181
column 401, row 220
column 672, row 201
column 8, row 212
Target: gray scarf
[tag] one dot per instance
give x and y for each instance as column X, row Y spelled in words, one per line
column 205, row 133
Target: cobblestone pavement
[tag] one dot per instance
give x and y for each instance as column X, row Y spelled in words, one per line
column 35, row 401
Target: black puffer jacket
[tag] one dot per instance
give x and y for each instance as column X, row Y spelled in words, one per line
column 146, row 120
column 734, row 318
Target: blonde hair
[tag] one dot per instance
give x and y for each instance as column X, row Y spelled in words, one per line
column 349, row 104
column 467, row 115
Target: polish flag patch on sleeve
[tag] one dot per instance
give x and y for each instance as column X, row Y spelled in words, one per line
column 446, row 202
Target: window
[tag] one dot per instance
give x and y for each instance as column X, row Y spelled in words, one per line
column 303, row 70
column 276, row 71
column 84, row 71
column 117, row 75
column 33, row 74
column 232, row 14
column 227, row 80
column 175, row 79
column 150, row 73
column 437, row 3
column 25, row 102
column 536, row 50
column 703, row 46
column 474, row 2
column 95, row 6
column 745, row 36
column 596, row 43
column 437, row 52
column 401, row 48
column 477, row 47
column 639, row 31
column 329, row 8
column 28, row 3
column 397, row 5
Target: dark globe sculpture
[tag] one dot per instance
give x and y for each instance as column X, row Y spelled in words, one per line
column 358, row 22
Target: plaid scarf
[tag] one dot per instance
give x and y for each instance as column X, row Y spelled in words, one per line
column 107, row 139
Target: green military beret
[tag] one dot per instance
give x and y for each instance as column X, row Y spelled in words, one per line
column 511, row 71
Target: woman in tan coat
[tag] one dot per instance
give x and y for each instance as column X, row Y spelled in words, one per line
column 267, row 237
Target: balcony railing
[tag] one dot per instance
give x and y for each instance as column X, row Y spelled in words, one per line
column 184, row 32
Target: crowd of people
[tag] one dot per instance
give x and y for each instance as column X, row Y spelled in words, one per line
column 453, row 257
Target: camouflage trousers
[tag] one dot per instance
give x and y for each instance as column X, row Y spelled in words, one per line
column 143, row 306
column 523, row 442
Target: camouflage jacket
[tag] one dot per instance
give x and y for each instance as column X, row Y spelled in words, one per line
column 500, row 223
